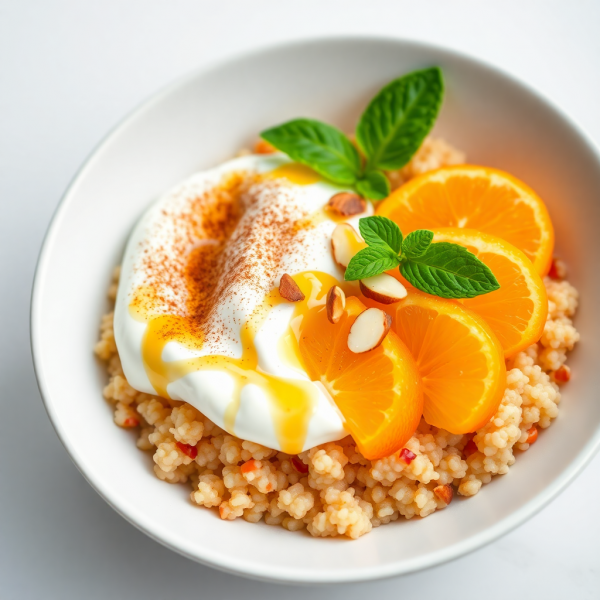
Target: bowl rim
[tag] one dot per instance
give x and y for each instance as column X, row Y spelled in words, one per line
column 283, row 574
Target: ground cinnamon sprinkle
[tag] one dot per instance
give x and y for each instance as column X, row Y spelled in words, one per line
column 222, row 247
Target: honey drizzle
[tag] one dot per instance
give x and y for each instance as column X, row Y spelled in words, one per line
column 291, row 401
column 295, row 173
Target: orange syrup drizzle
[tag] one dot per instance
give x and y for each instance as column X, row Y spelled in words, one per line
column 291, row 401
column 295, row 173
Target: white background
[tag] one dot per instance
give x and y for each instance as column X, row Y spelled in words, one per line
column 69, row 70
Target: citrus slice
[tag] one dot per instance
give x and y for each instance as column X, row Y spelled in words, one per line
column 459, row 358
column 379, row 393
column 479, row 198
column 516, row 312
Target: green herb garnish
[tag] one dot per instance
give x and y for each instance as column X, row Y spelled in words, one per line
column 397, row 120
column 318, row 145
column 442, row 269
column 389, row 132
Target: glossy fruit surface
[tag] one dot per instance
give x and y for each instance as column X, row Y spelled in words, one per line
column 379, row 393
column 478, row 198
column 516, row 312
column 459, row 358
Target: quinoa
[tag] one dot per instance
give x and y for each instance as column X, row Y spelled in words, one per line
column 332, row 489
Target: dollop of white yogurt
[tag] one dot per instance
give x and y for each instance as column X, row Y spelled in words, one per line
column 155, row 260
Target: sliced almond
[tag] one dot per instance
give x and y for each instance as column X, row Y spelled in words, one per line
column 335, row 303
column 345, row 243
column 383, row 288
column 289, row 289
column 444, row 493
column 369, row 330
column 347, row 204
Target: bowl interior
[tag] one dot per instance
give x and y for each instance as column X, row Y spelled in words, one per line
column 206, row 119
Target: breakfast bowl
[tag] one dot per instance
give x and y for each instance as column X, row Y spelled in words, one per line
column 206, row 119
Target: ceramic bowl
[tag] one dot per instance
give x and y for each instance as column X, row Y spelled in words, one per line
column 205, row 119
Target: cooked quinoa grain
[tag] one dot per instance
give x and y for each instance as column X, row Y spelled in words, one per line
column 332, row 490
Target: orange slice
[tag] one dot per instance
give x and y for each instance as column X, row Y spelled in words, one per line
column 479, row 198
column 379, row 393
column 459, row 358
column 516, row 312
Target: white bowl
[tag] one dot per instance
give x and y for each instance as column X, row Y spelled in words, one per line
column 203, row 120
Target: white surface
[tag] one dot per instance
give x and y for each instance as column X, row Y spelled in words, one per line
column 68, row 72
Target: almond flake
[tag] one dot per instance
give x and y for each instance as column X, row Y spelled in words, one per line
column 289, row 289
column 335, row 304
column 345, row 243
column 369, row 330
column 347, row 204
column 383, row 288
column 444, row 493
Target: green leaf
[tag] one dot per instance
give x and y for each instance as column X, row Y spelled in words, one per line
column 370, row 262
column 397, row 120
column 374, row 186
column 318, row 145
column 415, row 244
column 449, row 271
column 381, row 232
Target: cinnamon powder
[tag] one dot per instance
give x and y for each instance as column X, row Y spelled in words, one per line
column 225, row 246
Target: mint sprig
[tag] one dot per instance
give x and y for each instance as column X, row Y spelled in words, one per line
column 370, row 262
column 381, row 232
column 417, row 242
column 450, row 271
column 397, row 120
column 389, row 132
column 442, row 269
column 373, row 185
column 318, row 145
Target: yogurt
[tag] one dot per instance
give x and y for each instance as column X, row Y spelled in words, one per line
column 198, row 315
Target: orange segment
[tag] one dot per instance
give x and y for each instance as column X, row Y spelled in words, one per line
column 479, row 198
column 459, row 358
column 379, row 393
column 517, row 311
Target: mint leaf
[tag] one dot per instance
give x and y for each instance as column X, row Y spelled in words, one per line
column 397, row 120
column 370, row 262
column 449, row 271
column 381, row 232
column 374, row 186
column 318, row 145
column 415, row 244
